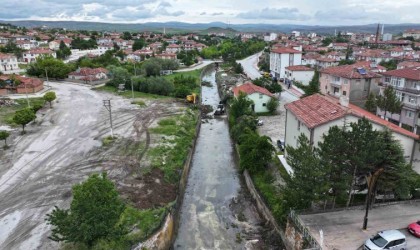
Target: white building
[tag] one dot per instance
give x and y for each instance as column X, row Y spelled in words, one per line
column 32, row 55
column 387, row 37
column 315, row 114
column 259, row 95
column 281, row 58
column 295, row 33
column 8, row 63
column 414, row 33
column 300, row 73
column 270, row 37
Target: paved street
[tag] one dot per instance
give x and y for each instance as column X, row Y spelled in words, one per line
column 203, row 64
column 343, row 229
column 250, row 66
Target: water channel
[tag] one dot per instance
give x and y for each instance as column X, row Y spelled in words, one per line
column 216, row 212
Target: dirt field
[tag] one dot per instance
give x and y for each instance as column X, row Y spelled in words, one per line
column 64, row 146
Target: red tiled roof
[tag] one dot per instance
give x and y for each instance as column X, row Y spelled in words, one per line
column 350, row 72
column 40, row 51
column 299, row 68
column 88, row 71
column 412, row 73
column 250, row 88
column 28, row 81
column 317, row 109
column 285, row 50
column 6, row 56
column 407, row 64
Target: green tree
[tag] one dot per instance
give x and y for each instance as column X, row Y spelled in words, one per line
column 63, row 51
column 56, row 68
column 93, row 215
column 370, row 104
column 151, row 68
column 3, row 136
column 307, row 183
column 241, row 106
column 327, row 41
column 256, row 152
column 138, row 44
column 389, row 102
column 389, row 65
column 50, row 97
column 119, row 75
column 126, row 35
column 313, row 86
column 272, row 105
column 23, row 117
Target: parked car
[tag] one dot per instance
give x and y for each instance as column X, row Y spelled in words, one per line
column 259, row 122
column 389, row 239
column 414, row 228
column 280, row 144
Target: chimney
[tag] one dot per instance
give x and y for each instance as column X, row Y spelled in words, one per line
column 344, row 101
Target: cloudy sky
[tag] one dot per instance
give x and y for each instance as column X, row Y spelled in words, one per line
column 311, row 12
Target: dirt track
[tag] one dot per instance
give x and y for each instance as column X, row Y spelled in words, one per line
column 62, row 148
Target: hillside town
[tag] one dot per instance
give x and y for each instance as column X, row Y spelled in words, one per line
column 218, row 139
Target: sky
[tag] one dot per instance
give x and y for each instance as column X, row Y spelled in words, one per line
column 307, row 12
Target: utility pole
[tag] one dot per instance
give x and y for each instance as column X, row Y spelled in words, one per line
column 46, row 74
column 132, row 87
column 107, row 105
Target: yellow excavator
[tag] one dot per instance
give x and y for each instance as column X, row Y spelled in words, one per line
column 192, row 98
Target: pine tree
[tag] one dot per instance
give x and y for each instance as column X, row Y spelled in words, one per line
column 370, row 104
column 389, row 102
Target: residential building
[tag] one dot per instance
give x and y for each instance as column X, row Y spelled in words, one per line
column 32, row 55
column 349, row 81
column 8, row 63
column 8, row 84
column 326, row 62
column 408, row 64
column 259, row 95
column 269, row 37
column 412, row 32
column 314, row 115
column 386, row 37
column 280, row 58
column 406, row 82
column 173, row 48
column 299, row 73
column 89, row 74
column 168, row 56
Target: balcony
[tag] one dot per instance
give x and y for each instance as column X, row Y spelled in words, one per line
column 411, row 105
column 404, row 89
column 336, row 84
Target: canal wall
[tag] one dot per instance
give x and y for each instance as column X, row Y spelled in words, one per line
column 165, row 236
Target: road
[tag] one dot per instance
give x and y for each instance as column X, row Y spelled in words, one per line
column 250, row 66
column 203, row 64
column 216, row 213
column 38, row 171
column 342, row 229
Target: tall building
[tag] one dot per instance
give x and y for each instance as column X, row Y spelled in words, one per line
column 283, row 57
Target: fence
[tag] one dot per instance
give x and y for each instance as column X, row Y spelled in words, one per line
column 313, row 244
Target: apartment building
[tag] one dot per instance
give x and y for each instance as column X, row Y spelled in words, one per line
column 280, row 58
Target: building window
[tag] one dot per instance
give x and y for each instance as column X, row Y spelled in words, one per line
column 387, row 79
column 261, row 96
column 298, row 125
column 398, row 82
column 400, row 95
column 409, row 114
column 344, row 92
column 346, row 81
column 336, row 90
column 336, row 79
column 264, row 104
column 412, row 99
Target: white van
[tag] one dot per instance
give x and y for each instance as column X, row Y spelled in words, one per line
column 390, row 239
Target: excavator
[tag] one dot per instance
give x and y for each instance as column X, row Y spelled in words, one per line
column 192, row 98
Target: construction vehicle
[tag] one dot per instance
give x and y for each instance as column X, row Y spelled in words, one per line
column 192, row 98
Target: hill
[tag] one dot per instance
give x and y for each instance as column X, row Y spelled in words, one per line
column 178, row 27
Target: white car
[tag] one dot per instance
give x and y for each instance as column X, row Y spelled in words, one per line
column 389, row 239
column 259, row 122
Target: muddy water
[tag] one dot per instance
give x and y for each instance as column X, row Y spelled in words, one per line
column 216, row 212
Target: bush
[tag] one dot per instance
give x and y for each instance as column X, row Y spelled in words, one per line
column 272, row 105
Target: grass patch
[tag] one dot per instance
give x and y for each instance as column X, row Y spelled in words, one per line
column 194, row 73
column 7, row 113
column 139, row 102
column 170, row 158
column 263, row 181
column 23, row 66
column 145, row 222
column 128, row 94
column 108, row 140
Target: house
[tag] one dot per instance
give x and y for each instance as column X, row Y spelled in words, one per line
column 299, row 73
column 16, row 84
column 8, row 63
column 32, row 55
column 406, row 82
column 89, row 74
column 259, row 95
column 350, row 81
column 408, row 64
column 167, row 56
column 315, row 114
column 173, row 48
column 25, row 44
column 55, row 45
column 326, row 62
column 280, row 58
column 338, row 46
column 413, row 33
